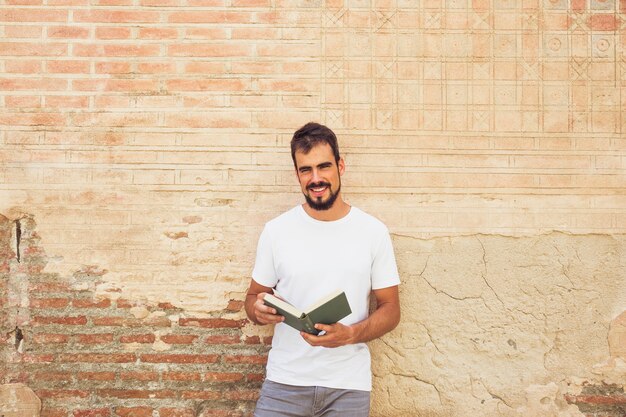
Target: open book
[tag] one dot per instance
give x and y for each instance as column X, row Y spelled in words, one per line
column 328, row 310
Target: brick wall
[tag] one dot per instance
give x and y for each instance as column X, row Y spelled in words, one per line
column 100, row 357
column 143, row 144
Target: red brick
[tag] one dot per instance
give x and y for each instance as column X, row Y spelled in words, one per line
column 138, row 338
column 211, row 323
column 167, row 306
column 181, row 376
column 254, row 359
column 235, row 305
column 23, row 2
column 139, row 376
column 255, row 377
column 89, row 303
column 106, row 50
column 112, row 33
column 179, row 358
column 94, row 412
column 208, row 33
column 116, row 16
column 251, row 3
column 49, row 302
column 68, row 321
column 32, row 15
column 53, row 412
column 68, row 67
column 114, row 321
column 200, row 395
column 253, row 340
column 67, row 32
column 34, row 358
column 23, row 31
column 96, row 376
column 222, row 17
column 610, row 399
column 162, row 3
column 206, row 85
column 61, row 394
column 49, row 84
column 158, row 33
column 97, row 357
column 134, row 411
column 66, row 101
column 39, row 287
column 33, row 49
column 94, row 338
column 179, row 339
column 223, row 376
column 156, row 68
column 123, row 303
column 114, row 2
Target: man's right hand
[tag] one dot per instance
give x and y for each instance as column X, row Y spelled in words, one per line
column 265, row 314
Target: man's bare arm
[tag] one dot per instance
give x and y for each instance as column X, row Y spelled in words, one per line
column 384, row 319
column 256, row 310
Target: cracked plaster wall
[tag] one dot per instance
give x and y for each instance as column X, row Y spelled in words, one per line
column 503, row 326
column 476, row 130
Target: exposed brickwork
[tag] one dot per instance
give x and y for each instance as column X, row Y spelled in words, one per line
column 601, row 401
column 87, row 357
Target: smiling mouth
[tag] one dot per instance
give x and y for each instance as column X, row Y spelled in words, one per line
column 318, row 188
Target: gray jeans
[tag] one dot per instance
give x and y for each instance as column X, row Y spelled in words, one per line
column 280, row 400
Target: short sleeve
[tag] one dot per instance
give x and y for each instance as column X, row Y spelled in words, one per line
column 264, row 272
column 384, row 268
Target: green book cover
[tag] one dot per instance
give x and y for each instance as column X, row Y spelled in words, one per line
column 328, row 310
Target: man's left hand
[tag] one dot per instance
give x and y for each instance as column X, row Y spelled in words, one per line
column 335, row 335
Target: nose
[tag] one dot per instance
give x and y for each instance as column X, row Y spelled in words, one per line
column 315, row 175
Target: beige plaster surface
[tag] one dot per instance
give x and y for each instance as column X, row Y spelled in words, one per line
column 501, row 326
column 17, row 400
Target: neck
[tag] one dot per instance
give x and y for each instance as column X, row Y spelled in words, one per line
column 338, row 210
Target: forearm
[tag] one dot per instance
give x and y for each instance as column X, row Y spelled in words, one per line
column 383, row 320
column 249, row 306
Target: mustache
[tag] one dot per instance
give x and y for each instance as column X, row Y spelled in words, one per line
column 318, row 184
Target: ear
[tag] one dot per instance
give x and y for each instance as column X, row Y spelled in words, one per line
column 341, row 165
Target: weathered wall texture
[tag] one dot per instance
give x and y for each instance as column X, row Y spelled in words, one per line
column 144, row 144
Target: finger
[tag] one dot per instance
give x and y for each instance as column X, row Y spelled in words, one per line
column 261, row 307
column 309, row 338
column 323, row 327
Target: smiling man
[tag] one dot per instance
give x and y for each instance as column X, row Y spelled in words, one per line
column 304, row 254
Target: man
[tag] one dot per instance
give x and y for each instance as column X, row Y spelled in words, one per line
column 304, row 254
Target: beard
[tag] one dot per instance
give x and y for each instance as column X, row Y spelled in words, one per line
column 319, row 204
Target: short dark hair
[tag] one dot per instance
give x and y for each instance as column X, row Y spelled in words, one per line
column 310, row 135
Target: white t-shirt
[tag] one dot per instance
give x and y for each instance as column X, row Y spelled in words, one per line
column 304, row 260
